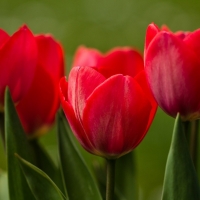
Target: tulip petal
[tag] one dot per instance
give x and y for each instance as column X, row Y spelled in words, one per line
column 86, row 57
column 152, row 31
column 70, row 115
column 116, row 115
column 173, row 73
column 36, row 107
column 17, row 63
column 192, row 41
column 4, row 37
column 50, row 55
column 82, row 82
column 126, row 61
column 42, row 99
column 142, row 81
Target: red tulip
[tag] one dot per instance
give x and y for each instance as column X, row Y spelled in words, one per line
column 172, row 65
column 37, row 109
column 109, row 106
column 18, row 57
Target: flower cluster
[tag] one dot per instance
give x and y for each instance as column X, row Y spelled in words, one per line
column 109, row 100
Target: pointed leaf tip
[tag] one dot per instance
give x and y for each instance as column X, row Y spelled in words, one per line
column 39, row 182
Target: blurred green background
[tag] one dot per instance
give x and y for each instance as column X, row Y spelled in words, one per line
column 105, row 24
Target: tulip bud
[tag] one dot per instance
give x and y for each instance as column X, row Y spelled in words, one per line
column 38, row 107
column 172, row 67
column 18, row 57
column 109, row 105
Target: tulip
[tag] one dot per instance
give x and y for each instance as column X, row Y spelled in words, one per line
column 109, row 105
column 18, row 57
column 172, row 66
column 38, row 107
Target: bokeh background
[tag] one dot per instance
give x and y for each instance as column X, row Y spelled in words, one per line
column 105, row 24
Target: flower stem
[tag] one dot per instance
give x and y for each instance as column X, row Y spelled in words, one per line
column 110, row 182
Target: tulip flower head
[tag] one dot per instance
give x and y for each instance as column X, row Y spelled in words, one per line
column 18, row 57
column 38, row 107
column 108, row 105
column 172, row 66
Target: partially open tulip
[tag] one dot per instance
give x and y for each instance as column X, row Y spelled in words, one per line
column 18, row 57
column 37, row 109
column 172, row 66
column 109, row 105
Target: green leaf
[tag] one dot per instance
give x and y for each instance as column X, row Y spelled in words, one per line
column 39, row 182
column 3, row 186
column 126, row 181
column 78, row 179
column 180, row 180
column 46, row 164
column 16, row 142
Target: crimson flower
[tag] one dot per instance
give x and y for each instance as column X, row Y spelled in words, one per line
column 172, row 66
column 109, row 105
column 18, row 56
column 38, row 107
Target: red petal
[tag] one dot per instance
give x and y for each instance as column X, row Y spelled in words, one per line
column 116, row 116
column 38, row 107
column 126, row 61
column 152, row 31
column 173, row 73
column 50, row 55
column 142, row 81
column 86, row 57
column 82, row 82
column 17, row 63
column 192, row 41
column 70, row 115
column 165, row 28
column 4, row 37
column 182, row 35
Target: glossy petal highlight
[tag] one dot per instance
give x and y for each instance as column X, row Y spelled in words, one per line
column 82, row 82
column 70, row 115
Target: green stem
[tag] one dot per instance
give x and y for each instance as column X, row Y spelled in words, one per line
column 2, row 128
column 110, row 182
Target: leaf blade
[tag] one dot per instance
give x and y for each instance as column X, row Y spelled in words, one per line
column 16, row 142
column 75, row 171
column 126, row 180
column 3, row 186
column 39, row 182
column 46, row 164
column 180, row 180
